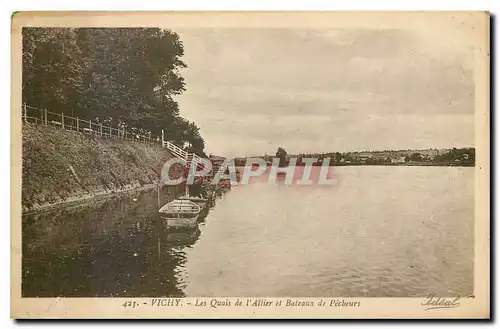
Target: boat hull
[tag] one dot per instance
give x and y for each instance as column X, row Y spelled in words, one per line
column 199, row 201
column 180, row 214
column 181, row 222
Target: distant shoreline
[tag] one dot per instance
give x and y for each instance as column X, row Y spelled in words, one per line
column 406, row 165
column 463, row 157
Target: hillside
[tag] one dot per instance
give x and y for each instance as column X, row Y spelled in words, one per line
column 61, row 166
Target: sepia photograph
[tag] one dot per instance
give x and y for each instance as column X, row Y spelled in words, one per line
column 287, row 165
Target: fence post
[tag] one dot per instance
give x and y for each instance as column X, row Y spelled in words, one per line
column 25, row 113
column 90, row 127
column 62, row 120
column 162, row 137
column 109, row 131
column 100, row 129
column 77, row 128
column 45, row 119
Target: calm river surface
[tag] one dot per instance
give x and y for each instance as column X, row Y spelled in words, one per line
column 380, row 231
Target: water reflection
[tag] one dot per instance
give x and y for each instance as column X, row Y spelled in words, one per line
column 370, row 235
column 183, row 237
column 114, row 247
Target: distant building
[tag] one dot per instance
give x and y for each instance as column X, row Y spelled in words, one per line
column 398, row 160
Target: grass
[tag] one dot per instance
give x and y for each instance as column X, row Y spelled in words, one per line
column 59, row 165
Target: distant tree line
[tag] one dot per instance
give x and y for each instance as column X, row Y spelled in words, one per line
column 128, row 75
column 462, row 155
column 450, row 157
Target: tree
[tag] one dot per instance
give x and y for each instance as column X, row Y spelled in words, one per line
column 128, row 74
column 132, row 73
column 415, row 157
column 52, row 68
column 281, row 154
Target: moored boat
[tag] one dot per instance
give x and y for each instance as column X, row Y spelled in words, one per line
column 202, row 202
column 180, row 213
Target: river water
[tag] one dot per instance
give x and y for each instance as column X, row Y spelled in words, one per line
column 379, row 231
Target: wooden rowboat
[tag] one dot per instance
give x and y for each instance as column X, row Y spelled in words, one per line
column 180, row 213
column 202, row 202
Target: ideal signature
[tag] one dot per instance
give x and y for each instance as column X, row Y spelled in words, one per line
column 433, row 302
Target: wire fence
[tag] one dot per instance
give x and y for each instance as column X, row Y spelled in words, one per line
column 42, row 116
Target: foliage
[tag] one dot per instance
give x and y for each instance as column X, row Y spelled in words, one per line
column 59, row 165
column 462, row 156
column 281, row 154
column 416, row 157
column 128, row 74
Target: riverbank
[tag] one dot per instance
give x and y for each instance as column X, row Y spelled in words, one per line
column 61, row 167
column 81, row 200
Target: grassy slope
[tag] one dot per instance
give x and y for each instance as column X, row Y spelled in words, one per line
column 59, row 164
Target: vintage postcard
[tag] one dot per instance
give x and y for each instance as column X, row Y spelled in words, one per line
column 320, row 165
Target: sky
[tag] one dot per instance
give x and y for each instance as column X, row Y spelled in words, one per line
column 326, row 90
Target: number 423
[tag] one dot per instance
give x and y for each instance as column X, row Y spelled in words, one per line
column 130, row 303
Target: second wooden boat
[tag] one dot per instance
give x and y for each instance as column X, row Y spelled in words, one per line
column 202, row 202
column 180, row 213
